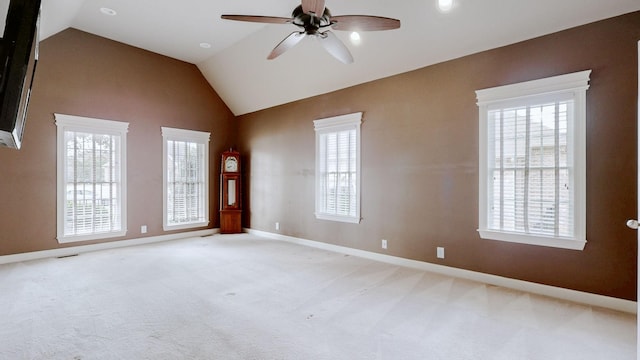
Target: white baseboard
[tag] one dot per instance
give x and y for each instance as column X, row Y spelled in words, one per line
column 546, row 290
column 74, row 250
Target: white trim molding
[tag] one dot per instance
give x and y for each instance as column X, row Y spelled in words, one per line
column 568, row 87
column 534, row 288
column 573, row 82
column 327, row 127
column 75, row 250
column 118, row 129
column 201, row 138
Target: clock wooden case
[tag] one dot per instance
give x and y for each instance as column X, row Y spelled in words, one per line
column 230, row 193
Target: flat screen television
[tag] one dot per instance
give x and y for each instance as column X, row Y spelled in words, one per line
column 18, row 58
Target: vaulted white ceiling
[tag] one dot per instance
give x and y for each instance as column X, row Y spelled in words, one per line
column 236, row 64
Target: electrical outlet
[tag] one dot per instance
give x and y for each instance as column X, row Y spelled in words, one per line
column 277, row 226
column 384, row 243
column 440, row 252
column 143, row 229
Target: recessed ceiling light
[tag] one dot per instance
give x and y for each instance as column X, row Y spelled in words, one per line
column 205, row 45
column 445, row 5
column 108, row 11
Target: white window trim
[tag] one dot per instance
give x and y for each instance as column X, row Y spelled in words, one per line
column 575, row 84
column 191, row 136
column 334, row 124
column 79, row 123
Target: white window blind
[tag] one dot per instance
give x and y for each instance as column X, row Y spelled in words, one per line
column 531, row 185
column 91, row 174
column 338, row 168
column 186, row 178
column 532, row 161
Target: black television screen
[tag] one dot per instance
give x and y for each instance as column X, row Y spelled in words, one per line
column 18, row 55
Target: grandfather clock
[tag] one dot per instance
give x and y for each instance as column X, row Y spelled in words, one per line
column 230, row 193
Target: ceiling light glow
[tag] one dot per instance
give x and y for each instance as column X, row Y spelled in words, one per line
column 108, row 11
column 205, row 45
column 355, row 38
column 445, row 5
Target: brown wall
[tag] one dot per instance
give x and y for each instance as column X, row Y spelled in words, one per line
column 85, row 75
column 420, row 161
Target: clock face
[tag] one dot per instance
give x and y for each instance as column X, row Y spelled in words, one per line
column 231, row 164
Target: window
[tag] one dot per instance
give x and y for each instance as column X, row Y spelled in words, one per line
column 532, row 161
column 185, row 179
column 338, row 168
column 91, row 182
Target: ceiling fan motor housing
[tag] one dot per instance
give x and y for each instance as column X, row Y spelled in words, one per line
column 310, row 21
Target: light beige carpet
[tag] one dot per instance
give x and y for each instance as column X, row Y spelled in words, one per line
column 243, row 297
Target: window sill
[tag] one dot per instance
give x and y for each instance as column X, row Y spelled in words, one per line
column 97, row 236
column 562, row 243
column 345, row 219
column 184, row 226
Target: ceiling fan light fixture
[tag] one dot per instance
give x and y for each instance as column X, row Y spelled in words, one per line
column 355, row 38
column 445, row 5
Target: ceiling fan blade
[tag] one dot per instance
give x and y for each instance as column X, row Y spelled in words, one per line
column 286, row 44
column 335, row 47
column 364, row 23
column 314, row 6
column 258, row 19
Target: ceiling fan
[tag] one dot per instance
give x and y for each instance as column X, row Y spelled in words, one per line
column 315, row 19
